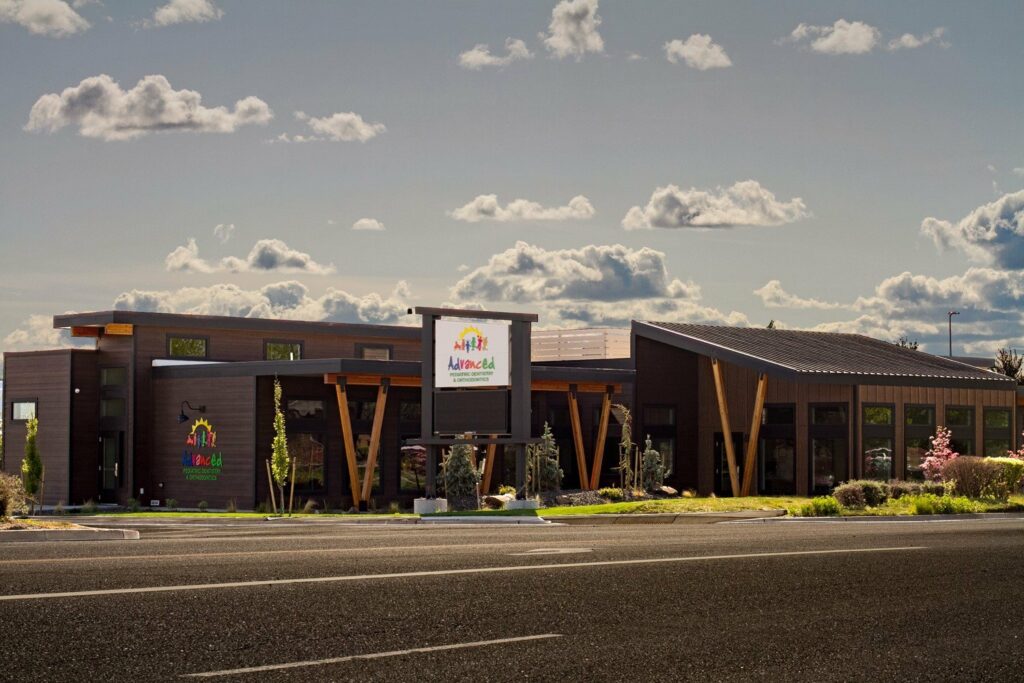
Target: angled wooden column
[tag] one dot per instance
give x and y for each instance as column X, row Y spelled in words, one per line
column 602, row 436
column 378, row 422
column 346, row 436
column 723, row 414
column 577, row 438
column 492, row 450
column 750, row 462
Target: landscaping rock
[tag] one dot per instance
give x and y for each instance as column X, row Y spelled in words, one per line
column 498, row 501
column 574, row 498
column 668, row 491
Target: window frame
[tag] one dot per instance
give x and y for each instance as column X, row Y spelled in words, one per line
column 996, row 433
column 361, row 349
column 916, row 432
column 107, row 387
column 972, row 427
column 175, row 335
column 290, row 342
column 35, row 409
column 775, row 431
column 306, row 420
column 321, row 434
column 827, row 431
column 877, row 431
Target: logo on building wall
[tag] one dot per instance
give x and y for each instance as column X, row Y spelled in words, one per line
column 200, row 461
column 471, row 355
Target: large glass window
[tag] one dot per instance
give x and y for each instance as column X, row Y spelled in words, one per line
column 409, row 411
column 878, row 437
column 23, row 410
column 305, row 409
column 362, row 410
column 412, row 475
column 113, row 377
column 368, row 352
column 186, row 347
column 997, row 431
column 362, row 460
column 777, row 449
column 917, row 432
column 659, row 416
column 828, row 415
column 112, row 407
column 308, row 450
column 960, row 423
column 279, row 350
column 829, row 446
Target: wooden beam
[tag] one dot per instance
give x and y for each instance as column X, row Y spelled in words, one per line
column 372, row 380
column 346, row 437
column 581, row 388
column 375, row 429
column 86, row 331
column 602, row 436
column 723, row 414
column 492, row 450
column 750, row 462
column 121, row 329
column 577, row 439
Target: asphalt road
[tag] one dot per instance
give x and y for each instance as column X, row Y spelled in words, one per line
column 736, row 601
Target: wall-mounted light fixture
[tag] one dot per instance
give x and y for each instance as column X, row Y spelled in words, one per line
column 182, row 417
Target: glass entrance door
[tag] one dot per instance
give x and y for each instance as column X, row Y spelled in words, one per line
column 110, row 465
column 723, row 486
column 828, row 463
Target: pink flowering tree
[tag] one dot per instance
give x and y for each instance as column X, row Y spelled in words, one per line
column 939, row 454
column 1019, row 453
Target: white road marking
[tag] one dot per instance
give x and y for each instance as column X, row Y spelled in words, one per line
column 447, row 572
column 373, row 655
column 552, row 551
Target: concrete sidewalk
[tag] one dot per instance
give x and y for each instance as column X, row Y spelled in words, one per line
column 668, row 517
column 81, row 534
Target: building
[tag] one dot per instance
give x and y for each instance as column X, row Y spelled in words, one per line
column 180, row 407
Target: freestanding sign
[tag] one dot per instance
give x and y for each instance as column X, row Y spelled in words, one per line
column 471, row 354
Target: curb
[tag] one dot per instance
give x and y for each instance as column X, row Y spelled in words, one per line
column 481, row 519
column 87, row 534
column 906, row 519
column 670, row 517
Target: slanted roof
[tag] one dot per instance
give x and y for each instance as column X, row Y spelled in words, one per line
column 821, row 357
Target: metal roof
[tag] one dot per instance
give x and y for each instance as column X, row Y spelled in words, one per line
column 827, row 357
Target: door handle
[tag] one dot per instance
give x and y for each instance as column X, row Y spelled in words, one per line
column 115, row 469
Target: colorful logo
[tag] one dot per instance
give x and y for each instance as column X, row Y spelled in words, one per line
column 196, row 464
column 470, row 341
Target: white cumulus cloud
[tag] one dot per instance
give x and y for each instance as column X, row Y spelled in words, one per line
column 908, row 41
column 485, row 207
column 345, row 126
column 841, row 38
column 480, row 55
column 573, row 29
column 370, row 224
column 698, row 52
column 51, row 18
column 774, row 296
column 102, row 109
column 265, row 256
column 224, row 231
column 744, row 203
column 993, row 233
column 184, row 11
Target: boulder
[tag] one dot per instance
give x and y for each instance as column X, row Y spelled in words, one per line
column 668, row 491
column 498, row 501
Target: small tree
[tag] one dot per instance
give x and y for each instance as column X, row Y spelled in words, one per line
column 1010, row 363
column 629, row 470
column 939, row 454
column 280, row 461
column 460, row 477
column 654, row 468
column 32, row 465
column 905, row 343
column 542, row 470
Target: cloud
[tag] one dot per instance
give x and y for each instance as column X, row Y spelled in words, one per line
column 485, row 207
column 745, row 203
column 841, row 38
column 36, row 333
column 993, row 233
column 371, row 224
column 101, row 109
column 224, row 231
column 184, row 11
column 573, row 29
column 774, row 296
column 288, row 300
column 480, row 55
column 266, row 255
column 51, row 18
column 698, row 51
column 1019, row 170
column 343, row 126
column 908, row 41
column 634, row 57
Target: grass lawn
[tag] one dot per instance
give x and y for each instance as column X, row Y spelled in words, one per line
column 16, row 524
column 161, row 514
column 652, row 506
column 904, row 506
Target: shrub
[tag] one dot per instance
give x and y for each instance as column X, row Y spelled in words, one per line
column 394, row 508
column 850, row 495
column 689, row 493
column 930, row 504
column 12, row 495
column 977, row 477
column 263, row 507
column 1012, row 472
column 203, row 506
column 822, row 506
column 232, row 506
column 506, row 490
column 133, row 504
column 460, row 478
column 899, row 488
column 542, row 470
column 611, row 493
column 32, row 464
column 59, row 508
column 874, row 492
column 309, row 508
column 172, row 503
column 89, row 507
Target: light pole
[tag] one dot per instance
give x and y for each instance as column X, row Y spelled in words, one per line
column 951, row 314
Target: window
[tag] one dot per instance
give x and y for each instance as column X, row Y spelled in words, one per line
column 412, row 473
column 113, row 377
column 776, row 460
column 362, row 460
column 829, row 446
column 920, row 427
column 23, row 410
column 960, row 422
column 878, row 440
column 112, row 407
column 779, row 415
column 828, row 415
column 186, row 347
column 371, row 352
column 409, row 411
column 308, row 451
column 305, row 409
column 282, row 350
column 996, row 432
column 659, row 416
column 362, row 410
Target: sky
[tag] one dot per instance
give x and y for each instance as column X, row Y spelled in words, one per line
column 844, row 166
